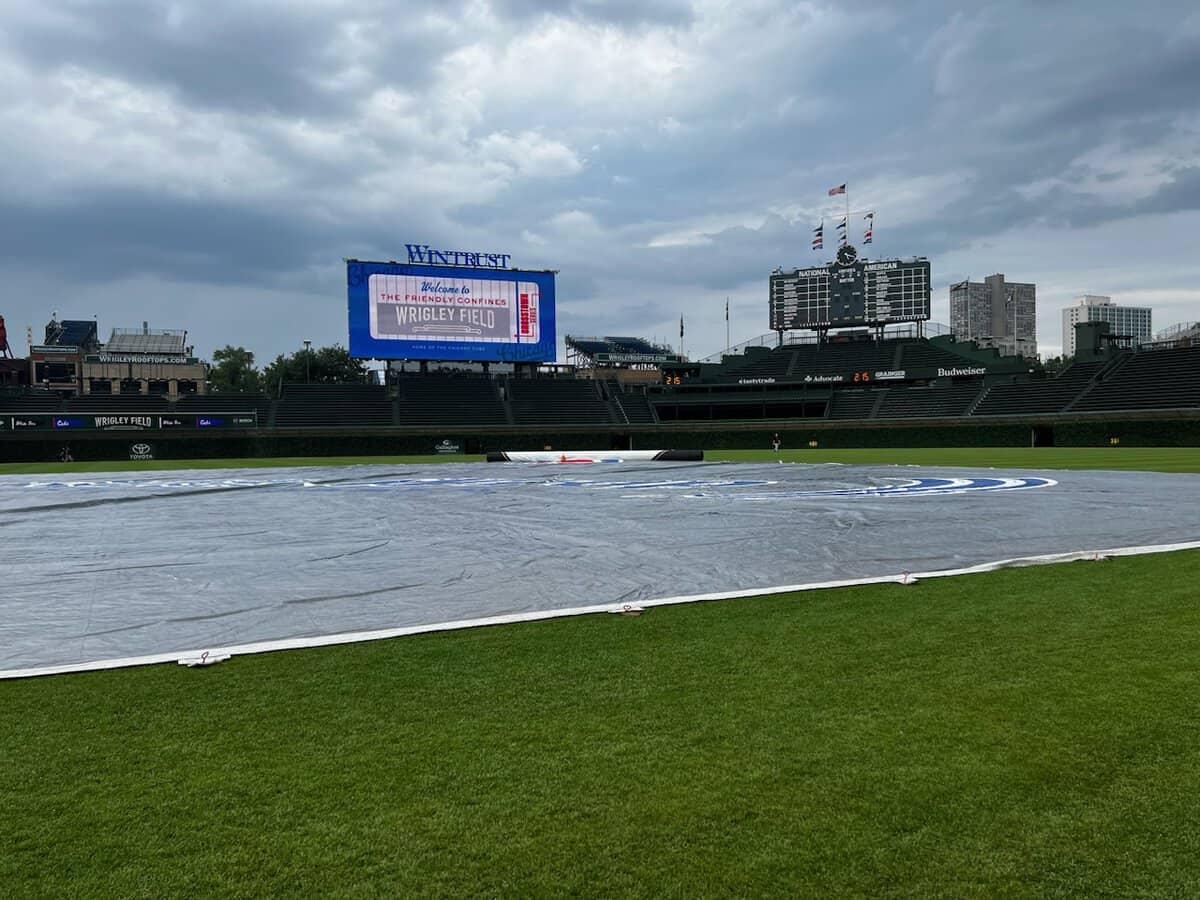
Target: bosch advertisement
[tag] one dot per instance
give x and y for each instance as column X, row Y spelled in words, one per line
column 450, row 312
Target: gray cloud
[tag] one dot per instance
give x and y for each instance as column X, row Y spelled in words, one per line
column 660, row 154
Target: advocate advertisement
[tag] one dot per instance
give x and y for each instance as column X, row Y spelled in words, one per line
column 406, row 311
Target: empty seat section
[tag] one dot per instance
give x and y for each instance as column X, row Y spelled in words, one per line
column 856, row 356
column 192, row 404
column 1153, row 379
column 557, row 401
column 923, row 355
column 758, row 362
column 449, row 400
column 332, row 405
column 932, row 401
column 633, row 404
column 1048, row 396
column 853, row 404
column 118, row 403
column 30, row 402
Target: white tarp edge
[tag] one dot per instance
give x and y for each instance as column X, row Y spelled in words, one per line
column 512, row 618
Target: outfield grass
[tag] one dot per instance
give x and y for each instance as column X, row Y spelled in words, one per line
column 1031, row 732
column 1157, row 459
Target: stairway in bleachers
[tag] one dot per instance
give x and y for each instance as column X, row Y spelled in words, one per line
column 333, row 405
column 449, row 400
column 1048, row 396
column 634, row 407
column 1152, row 379
column 848, row 404
column 557, row 401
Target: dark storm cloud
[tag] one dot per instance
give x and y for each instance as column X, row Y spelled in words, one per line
column 111, row 235
column 237, row 56
column 1153, row 75
column 980, row 101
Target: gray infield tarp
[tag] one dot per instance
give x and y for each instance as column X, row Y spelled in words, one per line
column 99, row 568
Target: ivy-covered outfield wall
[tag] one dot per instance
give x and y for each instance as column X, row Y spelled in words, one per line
column 719, row 436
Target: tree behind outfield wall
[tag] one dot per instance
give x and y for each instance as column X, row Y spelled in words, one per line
column 323, row 365
column 233, row 370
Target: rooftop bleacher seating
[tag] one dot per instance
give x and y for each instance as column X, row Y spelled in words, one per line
column 74, row 333
column 557, row 401
column 333, row 405
column 1155, row 379
column 449, row 400
column 633, row 345
column 158, row 342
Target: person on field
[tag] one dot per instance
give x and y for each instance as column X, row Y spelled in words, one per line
column 776, row 443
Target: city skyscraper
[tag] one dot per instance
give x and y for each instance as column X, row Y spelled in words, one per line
column 996, row 313
column 1132, row 321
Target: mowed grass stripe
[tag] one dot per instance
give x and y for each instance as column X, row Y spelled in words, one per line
column 1026, row 732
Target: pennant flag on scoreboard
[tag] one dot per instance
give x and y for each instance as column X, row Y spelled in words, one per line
column 842, row 232
column 681, row 327
column 834, row 191
column 869, row 234
column 818, row 240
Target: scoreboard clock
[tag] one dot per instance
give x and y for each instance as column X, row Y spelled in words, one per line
column 850, row 291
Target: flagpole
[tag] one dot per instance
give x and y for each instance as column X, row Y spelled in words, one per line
column 726, row 321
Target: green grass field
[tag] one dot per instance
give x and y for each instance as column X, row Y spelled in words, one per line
column 1030, row 732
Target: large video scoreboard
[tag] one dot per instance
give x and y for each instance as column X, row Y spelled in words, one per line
column 850, row 291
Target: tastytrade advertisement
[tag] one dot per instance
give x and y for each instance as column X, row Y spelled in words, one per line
column 404, row 311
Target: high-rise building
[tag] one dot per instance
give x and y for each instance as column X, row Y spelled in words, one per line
column 1126, row 321
column 996, row 313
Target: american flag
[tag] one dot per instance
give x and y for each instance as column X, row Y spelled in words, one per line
column 834, row 191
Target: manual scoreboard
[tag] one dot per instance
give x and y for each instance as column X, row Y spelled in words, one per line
column 850, row 291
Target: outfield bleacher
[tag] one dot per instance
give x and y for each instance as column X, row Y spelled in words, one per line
column 928, row 402
column 557, row 401
column 1049, row 396
column 30, row 401
column 632, row 406
column 850, row 404
column 232, row 402
column 332, row 405
column 117, row 403
column 449, row 400
column 1154, row 379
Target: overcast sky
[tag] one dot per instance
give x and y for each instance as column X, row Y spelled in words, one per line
column 207, row 165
